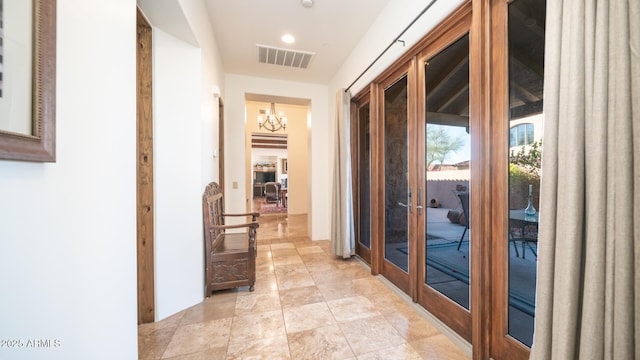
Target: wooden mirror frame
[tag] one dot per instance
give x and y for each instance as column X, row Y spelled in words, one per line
column 40, row 145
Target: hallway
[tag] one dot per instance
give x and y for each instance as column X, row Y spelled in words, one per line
column 306, row 305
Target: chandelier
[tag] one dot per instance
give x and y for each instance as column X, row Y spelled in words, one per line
column 272, row 121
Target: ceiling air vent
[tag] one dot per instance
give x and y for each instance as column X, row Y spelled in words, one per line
column 284, row 57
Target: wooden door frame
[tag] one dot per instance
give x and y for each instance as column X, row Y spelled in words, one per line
column 221, row 152
column 502, row 345
column 356, row 127
column 455, row 316
column 389, row 270
column 144, row 171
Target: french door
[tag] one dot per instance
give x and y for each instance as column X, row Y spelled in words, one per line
column 422, row 170
column 445, row 141
column 396, row 252
column 449, row 138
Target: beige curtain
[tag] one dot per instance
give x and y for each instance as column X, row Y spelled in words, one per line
column 588, row 295
column 342, row 228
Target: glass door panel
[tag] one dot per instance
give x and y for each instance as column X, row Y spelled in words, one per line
column 396, row 199
column 447, row 166
column 526, row 75
column 364, row 182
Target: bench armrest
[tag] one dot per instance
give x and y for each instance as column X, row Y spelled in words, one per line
column 253, row 215
column 253, row 225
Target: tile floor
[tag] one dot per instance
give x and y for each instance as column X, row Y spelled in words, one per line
column 307, row 304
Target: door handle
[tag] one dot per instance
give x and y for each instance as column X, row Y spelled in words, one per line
column 419, row 206
column 402, row 204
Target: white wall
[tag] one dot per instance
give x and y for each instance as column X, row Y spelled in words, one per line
column 177, row 176
column 211, row 80
column 68, row 229
column 186, row 135
column 236, row 87
column 397, row 15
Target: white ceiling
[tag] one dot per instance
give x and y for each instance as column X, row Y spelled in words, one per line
column 330, row 29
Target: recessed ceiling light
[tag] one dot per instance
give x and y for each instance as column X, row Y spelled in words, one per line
column 288, row 39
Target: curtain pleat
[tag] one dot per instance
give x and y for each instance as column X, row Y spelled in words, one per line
column 588, row 289
column 342, row 222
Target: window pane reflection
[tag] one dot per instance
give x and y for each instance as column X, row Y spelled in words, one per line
column 448, row 172
column 526, row 74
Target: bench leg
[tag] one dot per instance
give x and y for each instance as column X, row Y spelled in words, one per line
column 251, row 288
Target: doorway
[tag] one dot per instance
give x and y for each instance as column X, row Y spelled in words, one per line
column 292, row 165
column 269, row 173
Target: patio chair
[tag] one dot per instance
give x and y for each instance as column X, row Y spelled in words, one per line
column 464, row 201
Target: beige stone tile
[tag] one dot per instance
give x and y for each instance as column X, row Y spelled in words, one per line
column 271, row 348
column 337, row 290
column 370, row 334
column 400, row 352
column 287, row 302
column 171, row 322
column 209, row 310
column 199, row 337
column 287, row 260
column 388, row 302
column 284, row 252
column 263, row 284
column 288, row 269
column 286, row 245
column 257, row 326
column 257, row 302
column 262, row 263
column 306, row 317
column 153, row 343
column 343, row 263
column 304, row 242
column 352, row 308
column 369, row 285
column 265, row 269
column 354, row 272
column 319, row 266
column 222, row 295
column 310, row 250
column 411, row 326
column 322, row 343
column 295, row 281
column 300, row 296
column 330, row 276
column 293, row 276
column 210, row 354
column 315, row 258
column 439, row 347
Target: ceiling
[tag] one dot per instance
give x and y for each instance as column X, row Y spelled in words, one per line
column 329, row 28
column 332, row 28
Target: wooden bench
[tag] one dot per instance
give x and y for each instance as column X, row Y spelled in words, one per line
column 230, row 257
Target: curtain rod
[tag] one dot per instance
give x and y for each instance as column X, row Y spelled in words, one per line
column 393, row 42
